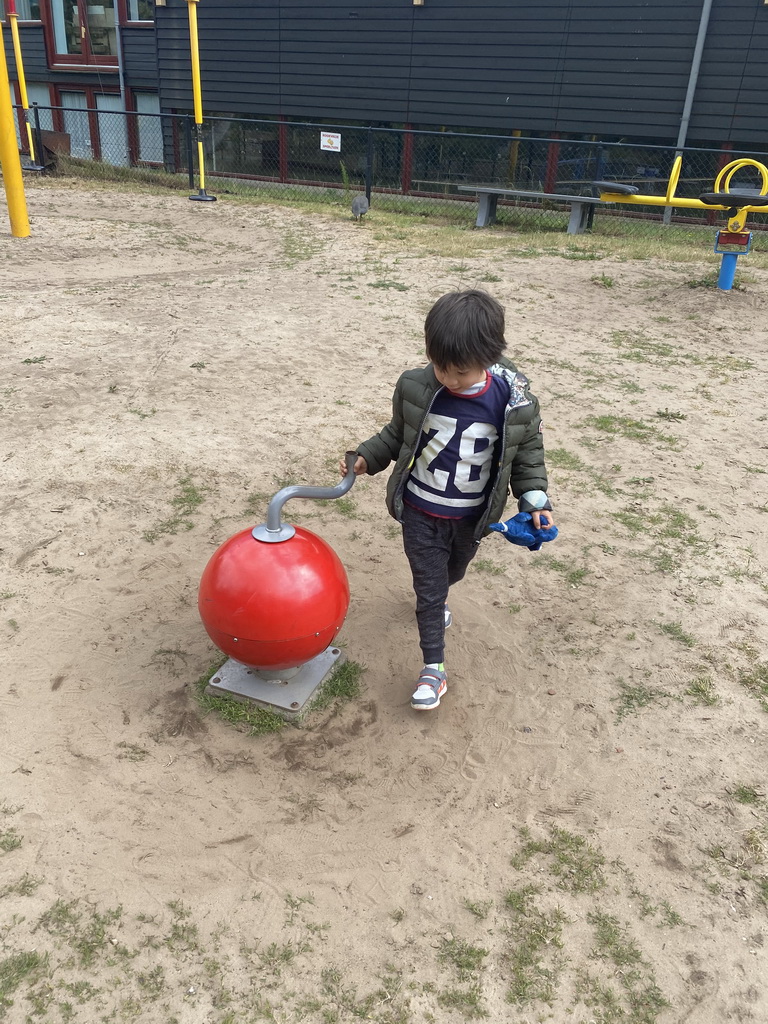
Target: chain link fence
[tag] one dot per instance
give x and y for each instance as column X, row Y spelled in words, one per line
column 403, row 170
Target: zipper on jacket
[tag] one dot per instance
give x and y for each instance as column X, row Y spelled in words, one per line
column 401, row 485
column 482, row 523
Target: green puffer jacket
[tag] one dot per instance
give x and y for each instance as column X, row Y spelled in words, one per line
column 521, row 464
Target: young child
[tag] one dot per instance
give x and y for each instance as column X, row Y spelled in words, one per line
column 464, row 431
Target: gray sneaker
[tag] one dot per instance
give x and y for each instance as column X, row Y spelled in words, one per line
column 431, row 686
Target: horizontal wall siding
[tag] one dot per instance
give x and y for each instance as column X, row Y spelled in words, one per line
column 139, row 54
column 32, row 52
column 139, row 57
column 583, row 66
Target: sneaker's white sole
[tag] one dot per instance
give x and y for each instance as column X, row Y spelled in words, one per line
column 430, row 707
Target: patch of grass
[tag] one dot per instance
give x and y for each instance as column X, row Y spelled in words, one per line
column 83, row 929
column 247, row 717
column 573, row 252
column 345, row 685
column 702, row 689
column 634, row 430
column 632, row 699
column 24, row 886
column 141, row 414
column 574, row 575
column 185, row 503
column 276, row 955
column 345, row 506
column 131, row 752
column 397, row 286
column 710, row 281
column 603, row 280
column 343, row 999
column 10, row 840
column 479, row 908
column 676, row 632
column 756, row 683
column 26, row 967
column 33, row 360
column 641, row 1000
column 577, row 866
column 639, row 348
column 560, row 458
column 467, row 1002
column 183, row 936
column 465, row 958
column 487, row 566
column 666, row 414
column 534, row 956
column 298, row 247
column 152, row 983
column 747, row 795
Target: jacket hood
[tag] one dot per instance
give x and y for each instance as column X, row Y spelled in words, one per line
column 518, row 385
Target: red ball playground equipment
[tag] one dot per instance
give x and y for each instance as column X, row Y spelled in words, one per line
column 274, row 599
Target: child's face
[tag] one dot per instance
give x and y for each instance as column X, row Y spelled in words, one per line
column 457, row 378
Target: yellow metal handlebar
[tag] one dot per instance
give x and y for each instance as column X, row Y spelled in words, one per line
column 722, row 184
column 674, row 177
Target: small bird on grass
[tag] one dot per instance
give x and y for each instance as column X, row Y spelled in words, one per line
column 359, row 207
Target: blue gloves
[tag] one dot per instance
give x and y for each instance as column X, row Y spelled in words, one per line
column 520, row 530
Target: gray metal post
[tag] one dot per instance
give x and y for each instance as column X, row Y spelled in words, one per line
column 693, row 79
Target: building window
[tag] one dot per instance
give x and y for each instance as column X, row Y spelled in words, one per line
column 84, row 33
column 141, row 10
column 150, row 128
column 28, row 10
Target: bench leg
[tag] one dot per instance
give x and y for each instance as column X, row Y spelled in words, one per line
column 577, row 224
column 486, row 210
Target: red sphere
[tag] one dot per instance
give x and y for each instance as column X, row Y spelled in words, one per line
column 273, row 606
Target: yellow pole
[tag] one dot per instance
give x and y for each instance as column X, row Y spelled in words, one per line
column 13, row 17
column 197, row 98
column 9, row 154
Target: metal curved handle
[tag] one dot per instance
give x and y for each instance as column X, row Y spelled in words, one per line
column 274, row 530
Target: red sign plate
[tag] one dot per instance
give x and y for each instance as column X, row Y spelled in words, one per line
column 733, row 241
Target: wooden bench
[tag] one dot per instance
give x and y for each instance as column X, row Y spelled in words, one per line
column 580, row 206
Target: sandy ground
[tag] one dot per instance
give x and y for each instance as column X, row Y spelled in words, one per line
column 579, row 833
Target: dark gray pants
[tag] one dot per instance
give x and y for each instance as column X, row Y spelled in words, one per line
column 439, row 551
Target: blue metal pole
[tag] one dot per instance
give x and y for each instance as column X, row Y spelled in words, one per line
column 727, row 271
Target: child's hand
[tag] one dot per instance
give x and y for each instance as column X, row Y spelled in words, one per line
column 542, row 520
column 360, row 467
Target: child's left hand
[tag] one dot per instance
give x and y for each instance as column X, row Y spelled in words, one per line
column 542, row 520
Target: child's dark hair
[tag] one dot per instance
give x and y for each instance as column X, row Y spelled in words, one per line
column 465, row 329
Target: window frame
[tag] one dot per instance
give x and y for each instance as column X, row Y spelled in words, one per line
column 23, row 21
column 125, row 18
column 83, row 61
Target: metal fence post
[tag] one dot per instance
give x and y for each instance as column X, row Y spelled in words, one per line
column 407, row 165
column 369, row 165
column 38, row 136
column 188, row 144
column 553, row 157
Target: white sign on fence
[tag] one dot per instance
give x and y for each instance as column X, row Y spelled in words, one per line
column 330, row 141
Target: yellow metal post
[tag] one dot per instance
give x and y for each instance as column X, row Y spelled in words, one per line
column 197, row 98
column 13, row 18
column 9, row 154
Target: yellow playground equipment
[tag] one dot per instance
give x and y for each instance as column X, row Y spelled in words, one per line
column 738, row 203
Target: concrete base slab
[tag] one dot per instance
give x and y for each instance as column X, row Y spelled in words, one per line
column 288, row 694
